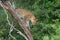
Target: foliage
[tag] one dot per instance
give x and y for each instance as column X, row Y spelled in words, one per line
column 47, row 13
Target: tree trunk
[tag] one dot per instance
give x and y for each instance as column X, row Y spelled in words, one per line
column 22, row 25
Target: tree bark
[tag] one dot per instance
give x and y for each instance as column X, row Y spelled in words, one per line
column 22, row 25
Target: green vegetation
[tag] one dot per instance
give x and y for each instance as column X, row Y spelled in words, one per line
column 47, row 13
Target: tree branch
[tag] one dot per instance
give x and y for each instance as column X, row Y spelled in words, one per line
column 18, row 18
column 20, row 33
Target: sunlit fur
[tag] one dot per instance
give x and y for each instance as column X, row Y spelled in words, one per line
column 27, row 15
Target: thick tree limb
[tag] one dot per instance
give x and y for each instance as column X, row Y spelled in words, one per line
column 18, row 18
column 12, row 27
